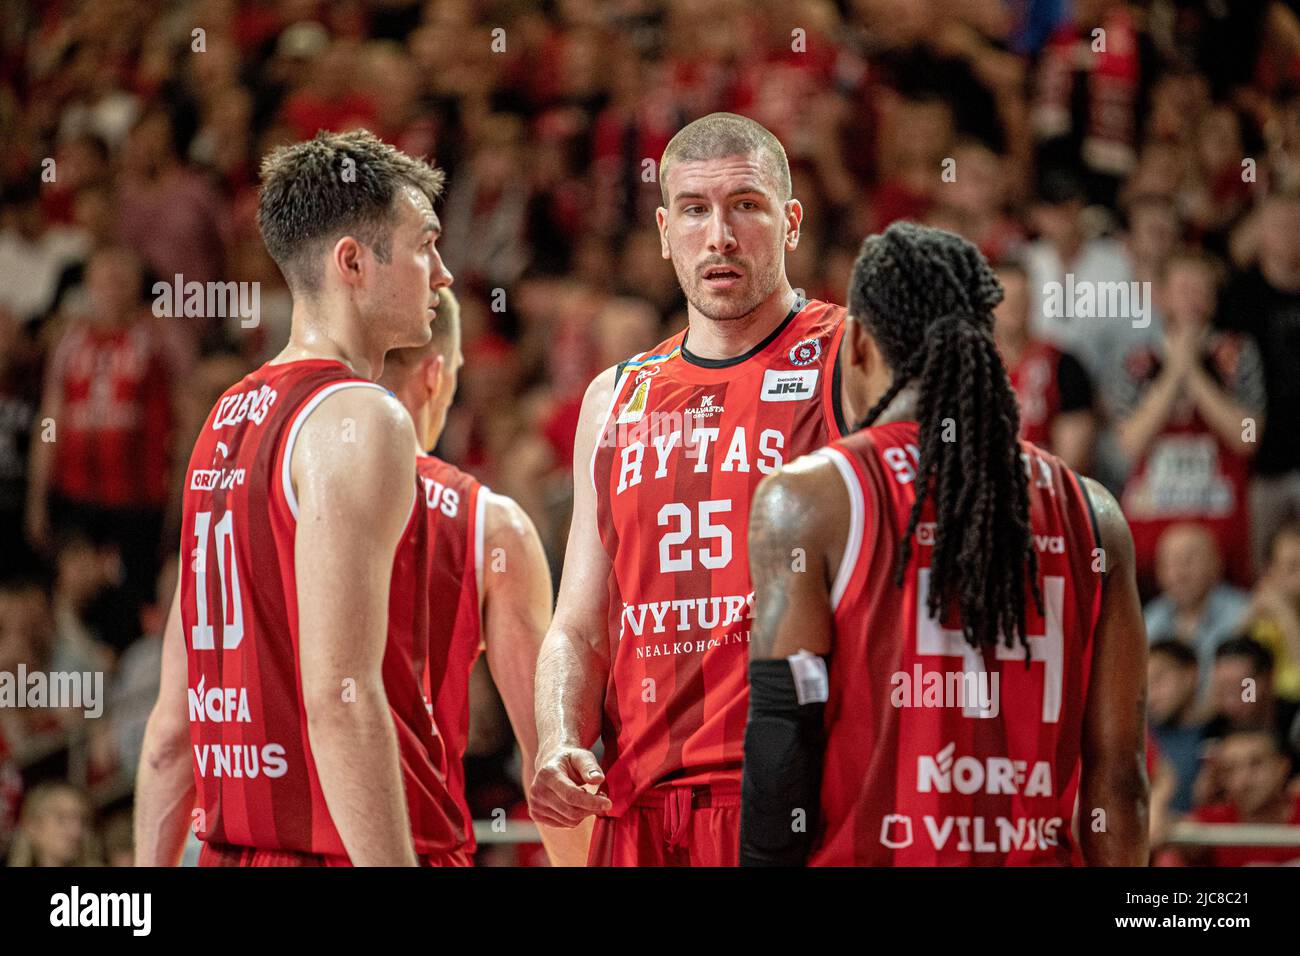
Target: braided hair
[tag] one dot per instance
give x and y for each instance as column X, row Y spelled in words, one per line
column 926, row 296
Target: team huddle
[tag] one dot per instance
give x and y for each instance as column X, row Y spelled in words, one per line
column 820, row 604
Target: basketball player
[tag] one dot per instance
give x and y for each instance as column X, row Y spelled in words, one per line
column 311, row 739
column 488, row 583
column 648, row 646
column 956, row 651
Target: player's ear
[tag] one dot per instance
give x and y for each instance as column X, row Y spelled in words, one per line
column 863, row 353
column 661, row 217
column 433, row 373
column 793, row 219
column 345, row 259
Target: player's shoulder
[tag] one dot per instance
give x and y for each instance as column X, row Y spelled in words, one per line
column 359, row 421
column 821, row 312
column 504, row 518
column 804, row 490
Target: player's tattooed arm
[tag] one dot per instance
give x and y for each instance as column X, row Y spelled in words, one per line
column 1113, row 789
column 796, row 539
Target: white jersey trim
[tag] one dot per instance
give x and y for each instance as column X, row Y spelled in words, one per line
column 285, row 475
column 857, row 522
column 480, row 537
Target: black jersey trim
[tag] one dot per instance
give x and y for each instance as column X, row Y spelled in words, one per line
column 836, row 405
column 799, row 303
column 1092, row 514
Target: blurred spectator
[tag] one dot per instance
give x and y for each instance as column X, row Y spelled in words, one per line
column 11, row 795
column 84, row 571
column 119, row 840
column 974, row 203
column 34, row 249
column 1194, row 606
column 54, row 828
column 1184, row 406
column 135, row 682
column 1244, row 696
column 26, row 633
column 1255, row 769
column 1054, row 391
column 1273, row 617
column 1089, row 94
column 1066, row 257
column 169, row 213
column 105, row 469
column 1154, row 233
column 1172, row 680
column 1265, row 303
column 486, row 207
column 19, row 395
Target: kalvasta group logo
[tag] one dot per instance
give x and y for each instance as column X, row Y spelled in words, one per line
column 806, row 352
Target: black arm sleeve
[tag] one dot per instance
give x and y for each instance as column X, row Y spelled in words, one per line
column 1074, row 385
column 781, row 781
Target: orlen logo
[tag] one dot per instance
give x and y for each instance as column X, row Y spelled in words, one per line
column 253, row 405
column 995, row 775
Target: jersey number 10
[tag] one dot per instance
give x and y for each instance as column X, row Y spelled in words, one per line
column 202, row 634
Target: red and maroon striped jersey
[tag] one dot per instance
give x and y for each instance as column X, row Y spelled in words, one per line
column 257, row 780
column 685, row 443
column 453, row 505
column 938, row 754
column 115, row 430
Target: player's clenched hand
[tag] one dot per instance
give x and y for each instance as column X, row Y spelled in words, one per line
column 557, row 797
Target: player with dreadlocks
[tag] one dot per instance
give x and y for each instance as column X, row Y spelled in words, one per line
column 947, row 646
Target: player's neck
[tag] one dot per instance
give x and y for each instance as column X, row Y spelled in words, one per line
column 724, row 339
column 312, row 337
column 901, row 409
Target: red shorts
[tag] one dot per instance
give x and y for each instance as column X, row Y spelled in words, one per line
column 672, row 826
column 223, row 854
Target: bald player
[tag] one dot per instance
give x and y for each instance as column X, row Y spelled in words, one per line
column 648, row 647
column 488, row 581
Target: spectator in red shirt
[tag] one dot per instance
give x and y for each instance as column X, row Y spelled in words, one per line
column 101, row 457
column 1185, row 406
column 1052, row 388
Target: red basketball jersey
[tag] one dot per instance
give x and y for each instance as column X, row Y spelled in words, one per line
column 257, row 781
column 1037, row 391
column 937, row 754
column 114, row 434
column 453, row 506
column 685, row 443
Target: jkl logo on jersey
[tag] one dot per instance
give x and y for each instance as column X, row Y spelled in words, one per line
column 789, row 386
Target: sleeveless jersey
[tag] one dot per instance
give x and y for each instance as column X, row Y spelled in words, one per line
column 938, row 754
column 453, row 505
column 256, row 778
column 686, row 441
